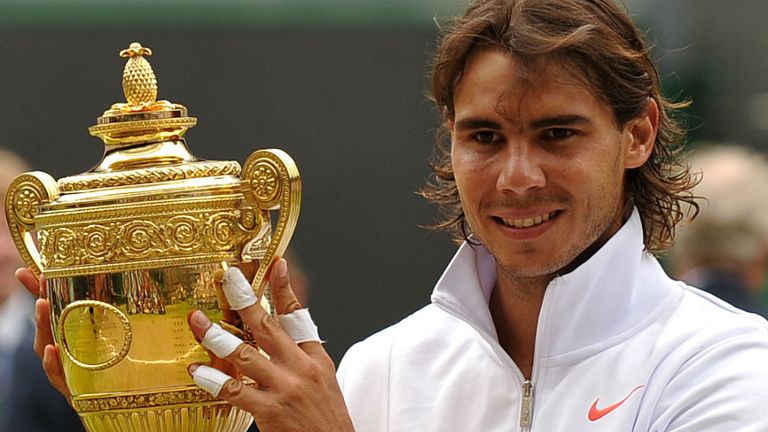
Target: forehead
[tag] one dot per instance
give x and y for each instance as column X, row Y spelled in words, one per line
column 515, row 89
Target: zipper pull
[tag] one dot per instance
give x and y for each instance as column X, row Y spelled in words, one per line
column 526, row 411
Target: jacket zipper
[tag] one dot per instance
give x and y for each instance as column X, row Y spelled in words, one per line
column 526, row 409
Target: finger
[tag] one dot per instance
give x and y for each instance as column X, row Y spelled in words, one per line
column 305, row 333
column 282, row 293
column 225, row 345
column 29, row 280
column 199, row 326
column 209, row 378
column 249, row 269
column 237, row 289
column 225, row 387
column 52, row 368
column 300, row 327
column 266, row 330
column 43, row 331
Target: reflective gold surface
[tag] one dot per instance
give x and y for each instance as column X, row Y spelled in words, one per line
column 128, row 331
column 131, row 247
column 125, row 344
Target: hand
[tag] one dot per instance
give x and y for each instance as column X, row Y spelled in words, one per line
column 296, row 387
column 45, row 347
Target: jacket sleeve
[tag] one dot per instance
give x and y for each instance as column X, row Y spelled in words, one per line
column 363, row 376
column 722, row 388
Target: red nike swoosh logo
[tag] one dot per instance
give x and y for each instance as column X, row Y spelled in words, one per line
column 596, row 414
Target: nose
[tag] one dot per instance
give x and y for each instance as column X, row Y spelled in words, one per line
column 520, row 171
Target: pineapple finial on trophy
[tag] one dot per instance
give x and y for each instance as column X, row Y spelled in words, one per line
column 139, row 82
column 142, row 118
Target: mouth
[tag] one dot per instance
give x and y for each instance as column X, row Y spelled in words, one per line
column 527, row 222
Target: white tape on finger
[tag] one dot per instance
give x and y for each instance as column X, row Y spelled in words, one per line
column 299, row 325
column 220, row 342
column 210, row 379
column 238, row 290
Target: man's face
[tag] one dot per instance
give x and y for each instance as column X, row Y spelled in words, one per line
column 539, row 163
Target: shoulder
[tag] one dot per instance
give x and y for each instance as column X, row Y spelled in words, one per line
column 364, row 372
column 375, row 352
column 715, row 378
column 706, row 318
column 708, row 332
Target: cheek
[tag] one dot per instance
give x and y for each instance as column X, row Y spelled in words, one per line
column 467, row 174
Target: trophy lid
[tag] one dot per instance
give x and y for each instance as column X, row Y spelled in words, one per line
column 150, row 203
column 142, row 118
column 143, row 136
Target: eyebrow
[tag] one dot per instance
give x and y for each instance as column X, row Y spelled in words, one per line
column 565, row 120
column 477, row 123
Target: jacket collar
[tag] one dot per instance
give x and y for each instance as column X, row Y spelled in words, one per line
column 601, row 302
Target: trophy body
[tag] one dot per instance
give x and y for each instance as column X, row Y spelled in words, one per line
column 131, row 247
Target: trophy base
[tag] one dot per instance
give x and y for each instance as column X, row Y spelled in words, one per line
column 161, row 412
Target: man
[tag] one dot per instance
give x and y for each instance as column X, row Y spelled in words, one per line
column 563, row 173
column 562, row 177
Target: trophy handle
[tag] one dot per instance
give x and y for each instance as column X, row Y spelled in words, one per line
column 26, row 193
column 271, row 181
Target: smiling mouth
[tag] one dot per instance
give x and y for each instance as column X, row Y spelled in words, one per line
column 527, row 222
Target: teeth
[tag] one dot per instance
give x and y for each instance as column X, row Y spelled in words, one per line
column 526, row 223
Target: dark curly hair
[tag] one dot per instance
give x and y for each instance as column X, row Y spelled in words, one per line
column 599, row 43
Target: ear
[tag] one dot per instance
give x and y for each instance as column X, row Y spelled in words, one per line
column 640, row 136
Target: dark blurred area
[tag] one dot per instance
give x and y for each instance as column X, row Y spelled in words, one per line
column 345, row 101
column 714, row 53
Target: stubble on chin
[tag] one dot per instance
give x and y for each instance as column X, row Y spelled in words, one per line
column 539, row 277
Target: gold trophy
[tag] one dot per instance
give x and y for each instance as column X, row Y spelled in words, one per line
column 129, row 248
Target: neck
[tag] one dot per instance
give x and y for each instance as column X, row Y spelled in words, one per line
column 515, row 306
column 516, row 301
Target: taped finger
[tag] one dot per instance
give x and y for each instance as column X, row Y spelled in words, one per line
column 221, row 342
column 237, row 289
column 209, row 379
column 299, row 326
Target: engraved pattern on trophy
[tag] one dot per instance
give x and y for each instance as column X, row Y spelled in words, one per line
column 116, row 128
column 144, row 401
column 98, row 335
column 271, row 180
column 264, row 181
column 149, row 175
column 129, row 248
column 25, row 194
column 130, row 237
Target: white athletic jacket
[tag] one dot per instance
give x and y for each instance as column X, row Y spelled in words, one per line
column 619, row 347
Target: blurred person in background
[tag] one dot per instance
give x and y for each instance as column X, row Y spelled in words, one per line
column 725, row 250
column 26, row 401
column 15, row 302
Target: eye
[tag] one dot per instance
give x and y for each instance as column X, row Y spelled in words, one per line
column 559, row 133
column 487, row 137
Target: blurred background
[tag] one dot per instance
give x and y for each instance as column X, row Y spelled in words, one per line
column 340, row 86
